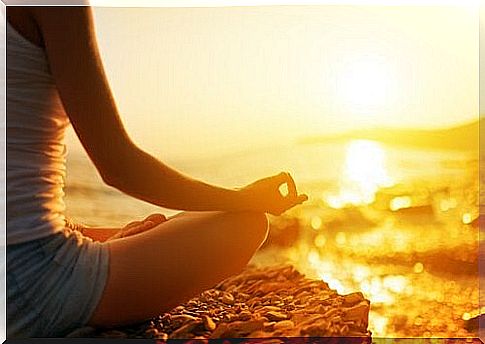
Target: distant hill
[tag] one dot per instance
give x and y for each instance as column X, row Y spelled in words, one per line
column 463, row 137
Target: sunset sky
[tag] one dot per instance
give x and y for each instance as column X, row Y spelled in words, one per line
column 196, row 81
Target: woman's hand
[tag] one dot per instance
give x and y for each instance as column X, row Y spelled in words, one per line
column 136, row 227
column 264, row 194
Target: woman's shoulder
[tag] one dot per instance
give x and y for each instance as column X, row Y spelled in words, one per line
column 21, row 19
column 25, row 19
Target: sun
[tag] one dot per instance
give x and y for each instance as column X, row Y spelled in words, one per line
column 364, row 85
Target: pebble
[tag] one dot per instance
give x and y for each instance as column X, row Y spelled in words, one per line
column 185, row 331
column 237, row 329
column 357, row 312
column 352, row 299
column 254, row 305
column 228, row 299
column 245, row 315
column 275, row 316
column 209, row 323
column 285, row 324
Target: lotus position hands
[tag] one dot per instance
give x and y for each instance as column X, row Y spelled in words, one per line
column 264, row 194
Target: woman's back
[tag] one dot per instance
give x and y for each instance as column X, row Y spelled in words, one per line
column 36, row 122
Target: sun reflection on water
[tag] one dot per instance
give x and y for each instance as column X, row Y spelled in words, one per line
column 379, row 289
column 364, row 172
column 399, row 238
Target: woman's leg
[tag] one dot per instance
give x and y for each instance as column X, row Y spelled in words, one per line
column 156, row 270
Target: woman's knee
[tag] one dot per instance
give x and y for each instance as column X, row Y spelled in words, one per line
column 237, row 229
column 253, row 226
column 260, row 221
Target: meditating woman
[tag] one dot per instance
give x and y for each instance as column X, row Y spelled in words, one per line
column 61, row 276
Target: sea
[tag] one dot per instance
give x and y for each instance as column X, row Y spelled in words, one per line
column 399, row 224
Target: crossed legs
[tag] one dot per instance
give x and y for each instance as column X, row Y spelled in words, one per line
column 158, row 269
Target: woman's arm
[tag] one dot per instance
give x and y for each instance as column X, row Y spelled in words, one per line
column 70, row 41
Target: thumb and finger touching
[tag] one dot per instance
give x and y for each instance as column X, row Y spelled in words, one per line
column 292, row 198
column 292, row 193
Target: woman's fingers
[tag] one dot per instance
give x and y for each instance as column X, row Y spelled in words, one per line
column 279, row 179
column 146, row 225
column 285, row 178
column 301, row 198
column 156, row 218
column 269, row 197
column 291, row 202
column 133, row 224
column 139, row 226
column 292, row 193
column 292, row 198
column 297, row 200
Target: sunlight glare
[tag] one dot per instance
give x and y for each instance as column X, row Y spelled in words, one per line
column 320, row 240
column 316, row 222
column 340, row 239
column 467, row 218
column 378, row 324
column 447, row 204
column 418, row 267
column 397, row 284
column 364, row 173
column 400, row 202
column 364, row 85
column 333, row 283
column 361, row 272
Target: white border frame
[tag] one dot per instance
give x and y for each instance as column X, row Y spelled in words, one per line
column 175, row 3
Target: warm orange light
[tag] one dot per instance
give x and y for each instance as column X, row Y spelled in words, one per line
column 418, row 267
column 364, row 173
column 400, row 203
column 320, row 240
column 467, row 218
column 316, row 222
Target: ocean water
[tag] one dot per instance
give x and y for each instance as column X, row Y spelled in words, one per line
column 398, row 224
column 317, row 169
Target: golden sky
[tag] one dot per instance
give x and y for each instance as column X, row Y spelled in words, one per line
column 195, row 81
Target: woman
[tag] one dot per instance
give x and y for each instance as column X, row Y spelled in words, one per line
column 59, row 276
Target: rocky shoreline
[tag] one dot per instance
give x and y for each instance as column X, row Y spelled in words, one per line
column 258, row 303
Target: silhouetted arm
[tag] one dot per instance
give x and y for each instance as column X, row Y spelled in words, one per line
column 75, row 62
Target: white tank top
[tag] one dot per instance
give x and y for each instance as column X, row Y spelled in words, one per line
column 36, row 122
